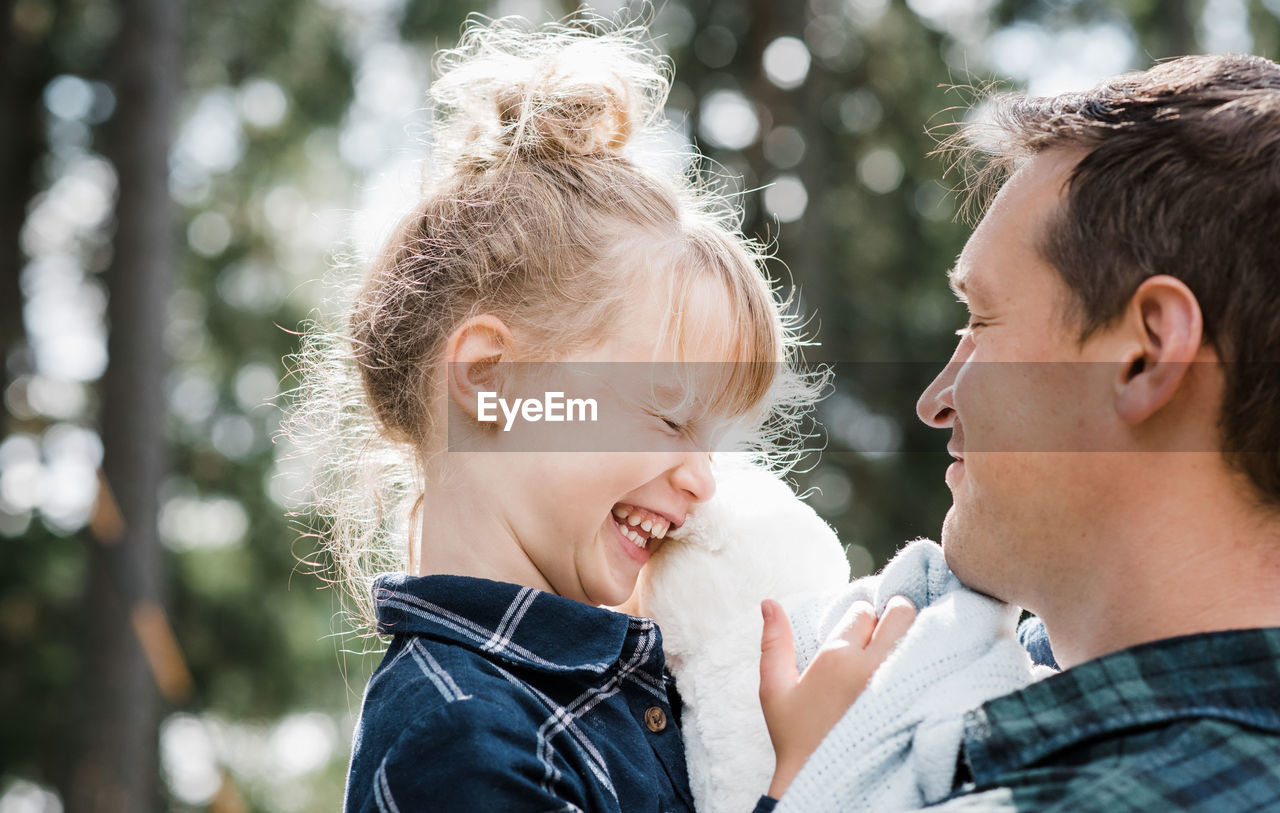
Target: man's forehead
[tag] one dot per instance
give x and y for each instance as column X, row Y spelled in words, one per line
column 1007, row 236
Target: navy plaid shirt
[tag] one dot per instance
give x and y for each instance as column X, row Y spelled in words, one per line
column 1189, row 723
column 496, row 697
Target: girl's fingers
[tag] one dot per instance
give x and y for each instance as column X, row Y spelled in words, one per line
column 898, row 615
column 778, row 671
column 856, row 625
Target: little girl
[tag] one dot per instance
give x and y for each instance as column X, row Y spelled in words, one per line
column 542, row 237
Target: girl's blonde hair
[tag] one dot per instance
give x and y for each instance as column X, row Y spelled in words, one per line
column 536, row 198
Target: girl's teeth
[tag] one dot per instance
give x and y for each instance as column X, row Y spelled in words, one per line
column 629, row 517
column 636, row 539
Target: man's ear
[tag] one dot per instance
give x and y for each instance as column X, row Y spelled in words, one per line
column 471, row 359
column 1164, row 328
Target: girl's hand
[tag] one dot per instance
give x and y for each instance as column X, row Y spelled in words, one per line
column 800, row 709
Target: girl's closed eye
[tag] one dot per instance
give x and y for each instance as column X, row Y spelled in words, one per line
column 673, row 426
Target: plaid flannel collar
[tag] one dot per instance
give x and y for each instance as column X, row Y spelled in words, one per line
column 519, row 625
column 1232, row 675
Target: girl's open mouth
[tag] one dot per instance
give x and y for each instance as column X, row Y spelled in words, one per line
column 639, row 525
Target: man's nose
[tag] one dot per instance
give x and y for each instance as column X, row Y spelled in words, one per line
column 937, row 407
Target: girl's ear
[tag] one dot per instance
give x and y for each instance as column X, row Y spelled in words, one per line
column 471, row 359
column 1167, row 329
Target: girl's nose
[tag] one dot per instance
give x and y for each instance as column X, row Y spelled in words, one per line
column 694, row 476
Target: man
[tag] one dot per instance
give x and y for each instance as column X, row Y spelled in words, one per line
column 1127, row 492
column 1114, row 409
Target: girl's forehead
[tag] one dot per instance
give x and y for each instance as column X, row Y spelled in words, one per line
column 703, row 318
column 680, row 317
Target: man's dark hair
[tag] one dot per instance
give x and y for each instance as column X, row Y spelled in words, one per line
column 1180, row 176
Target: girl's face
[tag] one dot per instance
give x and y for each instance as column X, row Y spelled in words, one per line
column 588, row 521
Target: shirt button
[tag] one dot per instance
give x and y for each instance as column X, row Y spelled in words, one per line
column 655, row 719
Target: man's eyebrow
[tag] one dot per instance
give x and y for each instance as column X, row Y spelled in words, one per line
column 955, row 278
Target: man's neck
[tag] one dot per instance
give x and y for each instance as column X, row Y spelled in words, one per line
column 1179, row 567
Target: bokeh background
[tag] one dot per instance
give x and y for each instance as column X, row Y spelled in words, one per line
column 176, row 178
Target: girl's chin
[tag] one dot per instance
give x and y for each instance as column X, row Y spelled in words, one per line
column 616, row 594
column 631, row 606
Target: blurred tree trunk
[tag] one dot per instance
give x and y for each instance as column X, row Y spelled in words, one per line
column 1167, row 28
column 1179, row 33
column 24, row 70
column 771, row 103
column 116, row 768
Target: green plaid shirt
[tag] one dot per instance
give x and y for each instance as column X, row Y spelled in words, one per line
column 1190, row 723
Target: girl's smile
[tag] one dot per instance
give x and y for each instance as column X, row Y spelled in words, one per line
column 633, row 544
column 638, row 527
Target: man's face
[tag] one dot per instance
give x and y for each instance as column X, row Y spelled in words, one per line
column 1021, row 400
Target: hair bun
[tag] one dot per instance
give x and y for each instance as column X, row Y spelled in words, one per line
column 564, row 115
column 550, row 92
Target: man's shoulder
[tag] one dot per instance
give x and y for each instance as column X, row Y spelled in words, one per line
column 1204, row 764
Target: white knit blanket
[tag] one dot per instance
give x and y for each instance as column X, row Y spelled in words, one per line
column 896, row 747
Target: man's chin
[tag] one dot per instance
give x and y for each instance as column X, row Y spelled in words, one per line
column 964, row 560
column 951, row 552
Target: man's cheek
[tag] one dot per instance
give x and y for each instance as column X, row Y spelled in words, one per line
column 982, row 401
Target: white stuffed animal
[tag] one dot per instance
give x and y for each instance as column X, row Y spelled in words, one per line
column 754, row 539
